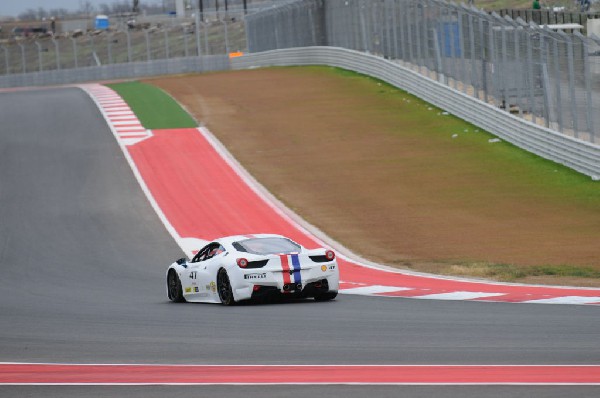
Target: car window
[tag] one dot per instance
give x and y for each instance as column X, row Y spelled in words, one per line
column 268, row 246
column 209, row 251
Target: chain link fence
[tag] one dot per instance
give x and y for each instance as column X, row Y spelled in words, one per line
column 32, row 60
column 98, row 48
column 549, row 78
column 546, row 77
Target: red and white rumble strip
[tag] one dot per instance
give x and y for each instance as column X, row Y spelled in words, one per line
column 94, row 374
column 194, row 162
column 118, row 114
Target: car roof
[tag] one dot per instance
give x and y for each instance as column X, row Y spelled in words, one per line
column 236, row 238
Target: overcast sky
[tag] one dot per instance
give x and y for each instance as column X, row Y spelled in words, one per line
column 15, row 7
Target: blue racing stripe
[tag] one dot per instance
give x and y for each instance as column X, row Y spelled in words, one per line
column 296, row 265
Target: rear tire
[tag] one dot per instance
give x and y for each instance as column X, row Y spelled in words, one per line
column 174, row 286
column 326, row 296
column 224, row 288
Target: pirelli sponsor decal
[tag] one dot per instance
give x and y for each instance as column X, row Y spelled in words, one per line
column 262, row 275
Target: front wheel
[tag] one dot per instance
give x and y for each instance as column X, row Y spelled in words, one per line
column 174, row 286
column 326, row 296
column 224, row 288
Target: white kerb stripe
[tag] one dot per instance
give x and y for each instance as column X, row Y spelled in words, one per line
column 127, row 130
column 114, row 113
column 458, row 296
column 127, row 135
column 117, row 109
column 126, row 123
column 109, row 101
column 370, row 290
column 566, row 300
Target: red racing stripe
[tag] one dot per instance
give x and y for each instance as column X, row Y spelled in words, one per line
column 285, row 266
column 298, row 374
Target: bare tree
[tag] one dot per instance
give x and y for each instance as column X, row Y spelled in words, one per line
column 42, row 13
column 87, row 8
column 61, row 13
column 104, row 8
column 120, row 7
column 28, row 15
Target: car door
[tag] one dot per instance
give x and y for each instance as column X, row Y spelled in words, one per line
column 195, row 275
column 200, row 276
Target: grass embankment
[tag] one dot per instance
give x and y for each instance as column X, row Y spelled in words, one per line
column 406, row 184
column 505, row 165
column 154, row 108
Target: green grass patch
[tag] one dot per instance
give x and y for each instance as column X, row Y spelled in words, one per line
column 504, row 162
column 513, row 273
column 155, row 108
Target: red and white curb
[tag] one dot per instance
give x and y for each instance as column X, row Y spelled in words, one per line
column 196, row 156
column 118, row 114
column 109, row 374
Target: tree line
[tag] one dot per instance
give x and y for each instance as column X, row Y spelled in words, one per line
column 119, row 7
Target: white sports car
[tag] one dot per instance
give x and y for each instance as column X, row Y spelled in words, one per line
column 243, row 267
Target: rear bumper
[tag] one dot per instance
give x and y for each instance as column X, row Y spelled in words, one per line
column 266, row 289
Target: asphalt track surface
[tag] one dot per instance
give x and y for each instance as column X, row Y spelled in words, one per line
column 83, row 256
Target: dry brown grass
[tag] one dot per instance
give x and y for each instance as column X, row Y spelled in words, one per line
column 379, row 171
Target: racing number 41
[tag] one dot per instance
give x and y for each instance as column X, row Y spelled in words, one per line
column 193, row 275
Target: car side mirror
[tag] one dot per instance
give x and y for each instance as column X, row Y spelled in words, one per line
column 181, row 261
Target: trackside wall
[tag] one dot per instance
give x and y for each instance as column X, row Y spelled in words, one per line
column 157, row 67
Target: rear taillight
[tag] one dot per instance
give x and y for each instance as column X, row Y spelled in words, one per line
column 329, row 255
column 242, row 262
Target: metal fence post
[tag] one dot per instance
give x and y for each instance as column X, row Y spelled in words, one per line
column 167, row 53
column 571, row 69
column 185, row 43
column 226, row 36
column 588, row 86
column 6, row 59
column 148, row 54
column 197, row 30
column 532, row 82
column 461, row 50
column 418, row 16
column 545, row 79
column 492, row 58
column 394, row 30
column 407, row 19
column 473, row 75
column 453, row 52
column 484, row 57
column 520, row 67
column 109, row 40
column 75, row 52
column 57, row 53
column 94, row 53
column 39, row 47
column 23, row 63
column 129, row 51
column 206, row 46
column 503, row 72
column 558, row 90
column 363, row 28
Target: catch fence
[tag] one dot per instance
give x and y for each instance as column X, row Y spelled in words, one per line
column 547, row 77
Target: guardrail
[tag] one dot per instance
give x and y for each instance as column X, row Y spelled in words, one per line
column 157, row 67
column 571, row 152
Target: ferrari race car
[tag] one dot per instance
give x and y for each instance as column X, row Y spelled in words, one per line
column 236, row 268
